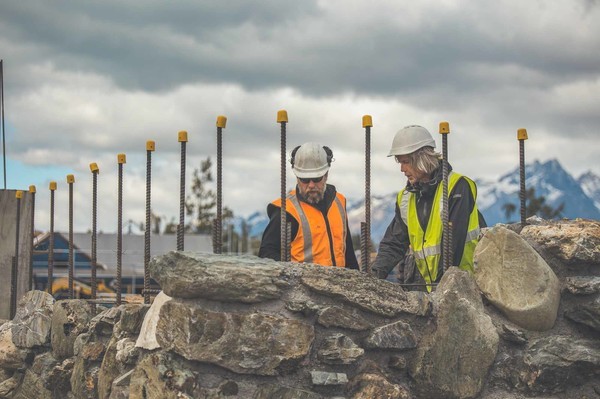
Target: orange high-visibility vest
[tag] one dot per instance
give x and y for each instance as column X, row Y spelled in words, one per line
column 317, row 236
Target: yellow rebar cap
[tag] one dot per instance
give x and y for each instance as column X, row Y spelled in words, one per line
column 52, row 186
column 444, row 128
column 522, row 134
column 282, row 116
column 367, row 121
column 94, row 167
column 150, row 145
column 70, row 179
column 182, row 136
column 121, row 158
column 32, row 189
column 19, row 194
column 221, row 121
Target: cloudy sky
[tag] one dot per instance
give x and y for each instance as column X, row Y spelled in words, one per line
column 85, row 81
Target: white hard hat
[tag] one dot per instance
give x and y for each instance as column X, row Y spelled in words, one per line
column 310, row 160
column 409, row 139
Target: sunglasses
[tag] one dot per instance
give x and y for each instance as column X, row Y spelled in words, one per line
column 309, row 179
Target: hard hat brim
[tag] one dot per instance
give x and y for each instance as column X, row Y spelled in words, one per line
column 307, row 174
column 405, row 150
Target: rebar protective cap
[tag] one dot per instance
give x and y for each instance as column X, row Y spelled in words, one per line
column 522, row 134
column 52, row 186
column 367, row 121
column 310, row 161
column 221, row 121
column 121, row 158
column 19, row 194
column 150, row 145
column 32, row 189
column 94, row 168
column 70, row 179
column 282, row 116
column 409, row 139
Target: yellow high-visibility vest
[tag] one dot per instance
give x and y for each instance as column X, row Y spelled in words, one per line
column 427, row 245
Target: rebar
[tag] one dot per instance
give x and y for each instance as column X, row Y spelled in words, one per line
column 148, row 229
column 32, row 191
column 95, row 171
column 282, row 119
column 522, row 190
column 446, row 234
column 15, row 261
column 219, row 188
column 51, row 247
column 181, row 226
column 70, row 181
column 119, row 233
column 367, row 122
column 363, row 247
column 288, row 234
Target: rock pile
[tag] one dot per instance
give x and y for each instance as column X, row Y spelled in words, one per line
column 526, row 325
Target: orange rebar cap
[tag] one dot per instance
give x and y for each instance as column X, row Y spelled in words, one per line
column 121, row 158
column 444, row 128
column 221, row 121
column 94, row 167
column 150, row 145
column 522, row 134
column 52, row 186
column 70, row 179
column 282, row 116
column 182, row 136
column 32, row 189
column 19, row 194
column 367, row 121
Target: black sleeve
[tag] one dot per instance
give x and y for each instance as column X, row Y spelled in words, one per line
column 270, row 245
column 461, row 205
column 351, row 261
column 392, row 248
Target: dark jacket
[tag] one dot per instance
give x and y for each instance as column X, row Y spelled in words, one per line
column 270, row 246
column 395, row 242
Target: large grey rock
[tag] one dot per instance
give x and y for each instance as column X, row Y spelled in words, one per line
column 254, row 343
column 583, row 285
column 377, row 296
column 31, row 324
column 279, row 392
column 516, row 280
column 246, row 279
column 571, row 241
column 553, row 364
column 334, row 316
column 326, row 378
column 370, row 385
column 11, row 357
column 453, row 360
column 59, row 378
column 161, row 375
column 69, row 319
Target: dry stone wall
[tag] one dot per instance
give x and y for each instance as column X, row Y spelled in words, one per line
column 244, row 327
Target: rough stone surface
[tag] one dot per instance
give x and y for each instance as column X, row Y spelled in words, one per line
column 334, row 316
column 572, row 241
column 587, row 314
column 35, row 382
column 279, row 392
column 515, row 278
column 245, row 343
column 245, row 279
column 368, row 293
column 583, row 285
column 132, row 317
column 31, row 325
column 553, row 363
column 69, row 319
column 339, row 349
column 375, row 385
column 327, row 378
column 397, row 335
column 9, row 386
column 11, row 357
column 453, row 360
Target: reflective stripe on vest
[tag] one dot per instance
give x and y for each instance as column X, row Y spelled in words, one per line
column 311, row 244
column 427, row 246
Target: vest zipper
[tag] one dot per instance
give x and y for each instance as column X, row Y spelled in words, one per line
column 330, row 239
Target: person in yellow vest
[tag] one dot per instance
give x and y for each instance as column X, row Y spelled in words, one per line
column 417, row 223
column 316, row 211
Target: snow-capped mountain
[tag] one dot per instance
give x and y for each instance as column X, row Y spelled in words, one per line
column 549, row 179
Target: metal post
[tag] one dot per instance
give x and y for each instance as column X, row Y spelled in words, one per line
column 15, row 262
column 221, row 123
column 2, row 112
column 522, row 136
column 282, row 118
column 150, row 146
column 121, row 160
column 70, row 181
column 365, row 248
column 32, row 191
column 447, row 251
column 182, row 138
column 52, row 188
column 95, row 171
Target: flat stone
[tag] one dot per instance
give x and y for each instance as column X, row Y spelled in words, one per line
column 11, row 357
column 583, row 285
column 339, row 349
column 334, row 316
column 396, row 335
column 586, row 313
column 371, row 385
column 32, row 321
column 324, row 378
column 279, row 392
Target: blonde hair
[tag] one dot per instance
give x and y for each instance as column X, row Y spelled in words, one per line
column 425, row 159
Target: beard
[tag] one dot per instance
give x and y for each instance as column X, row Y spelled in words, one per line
column 314, row 196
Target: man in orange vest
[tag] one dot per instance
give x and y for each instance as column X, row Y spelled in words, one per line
column 316, row 211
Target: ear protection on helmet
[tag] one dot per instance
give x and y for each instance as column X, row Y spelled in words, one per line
column 325, row 148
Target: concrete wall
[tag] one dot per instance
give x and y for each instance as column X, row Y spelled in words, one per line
column 8, row 228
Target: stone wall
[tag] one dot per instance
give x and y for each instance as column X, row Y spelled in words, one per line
column 526, row 325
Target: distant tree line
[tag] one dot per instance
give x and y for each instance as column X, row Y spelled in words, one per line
column 534, row 205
